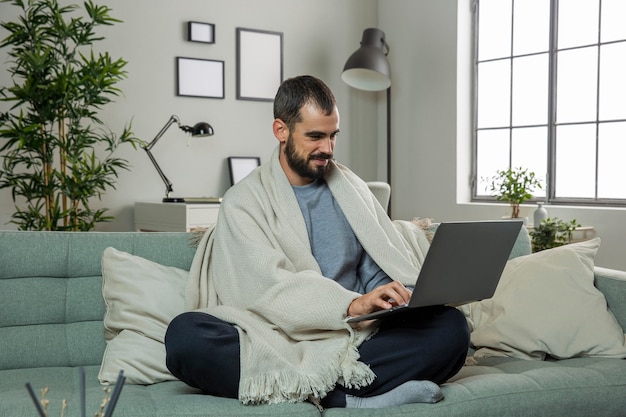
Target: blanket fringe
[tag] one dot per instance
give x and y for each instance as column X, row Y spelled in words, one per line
column 354, row 374
column 284, row 386
column 470, row 361
column 196, row 236
column 425, row 224
column 273, row 388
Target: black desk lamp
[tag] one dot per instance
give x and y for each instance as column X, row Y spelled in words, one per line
column 201, row 129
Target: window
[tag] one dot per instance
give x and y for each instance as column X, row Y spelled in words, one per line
column 550, row 96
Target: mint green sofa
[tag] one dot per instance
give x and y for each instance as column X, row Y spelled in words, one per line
column 51, row 324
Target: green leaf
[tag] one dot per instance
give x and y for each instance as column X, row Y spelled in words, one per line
column 57, row 82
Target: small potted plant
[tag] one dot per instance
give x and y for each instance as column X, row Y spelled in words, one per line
column 515, row 186
column 552, row 232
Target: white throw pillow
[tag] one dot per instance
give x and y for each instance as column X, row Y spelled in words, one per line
column 141, row 298
column 546, row 304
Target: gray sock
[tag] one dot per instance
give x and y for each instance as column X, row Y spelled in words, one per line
column 408, row 393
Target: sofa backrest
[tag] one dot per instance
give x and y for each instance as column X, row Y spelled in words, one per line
column 612, row 283
column 51, row 306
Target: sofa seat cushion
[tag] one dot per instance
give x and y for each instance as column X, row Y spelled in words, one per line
column 518, row 387
column 171, row 399
column 501, row 386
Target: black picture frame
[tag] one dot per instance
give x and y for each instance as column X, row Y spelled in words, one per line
column 200, row 32
column 240, row 166
column 199, row 77
column 259, row 64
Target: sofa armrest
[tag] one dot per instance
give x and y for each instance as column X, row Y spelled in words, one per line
column 612, row 283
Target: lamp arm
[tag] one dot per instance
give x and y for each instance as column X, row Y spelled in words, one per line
column 173, row 119
column 168, row 184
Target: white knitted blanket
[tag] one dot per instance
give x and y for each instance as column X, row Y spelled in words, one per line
column 255, row 270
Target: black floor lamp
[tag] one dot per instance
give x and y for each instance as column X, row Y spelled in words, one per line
column 368, row 69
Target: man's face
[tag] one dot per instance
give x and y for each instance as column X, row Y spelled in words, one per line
column 310, row 145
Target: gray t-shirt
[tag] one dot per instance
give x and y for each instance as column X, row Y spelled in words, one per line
column 333, row 242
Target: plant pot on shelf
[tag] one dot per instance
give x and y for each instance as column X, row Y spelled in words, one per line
column 514, row 186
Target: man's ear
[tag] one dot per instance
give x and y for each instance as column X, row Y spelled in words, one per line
column 281, row 131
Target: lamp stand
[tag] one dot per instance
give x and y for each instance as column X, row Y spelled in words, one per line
column 168, row 184
column 389, row 146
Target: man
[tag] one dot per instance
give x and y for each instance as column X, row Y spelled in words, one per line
column 300, row 245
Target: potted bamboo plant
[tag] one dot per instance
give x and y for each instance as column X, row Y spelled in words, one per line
column 514, row 186
column 57, row 155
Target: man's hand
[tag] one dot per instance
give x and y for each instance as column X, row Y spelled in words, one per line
column 381, row 298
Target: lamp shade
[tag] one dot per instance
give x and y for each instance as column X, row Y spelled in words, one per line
column 202, row 129
column 368, row 68
column 199, row 130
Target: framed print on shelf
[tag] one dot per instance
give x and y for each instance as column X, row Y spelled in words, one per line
column 259, row 64
column 200, row 32
column 240, row 166
column 199, row 77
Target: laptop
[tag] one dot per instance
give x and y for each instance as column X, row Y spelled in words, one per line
column 463, row 264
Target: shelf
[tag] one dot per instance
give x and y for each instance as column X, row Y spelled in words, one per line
column 174, row 217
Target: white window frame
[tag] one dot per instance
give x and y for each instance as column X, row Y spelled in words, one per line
column 479, row 193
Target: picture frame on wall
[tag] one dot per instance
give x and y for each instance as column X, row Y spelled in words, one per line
column 201, row 32
column 199, row 77
column 240, row 166
column 259, row 64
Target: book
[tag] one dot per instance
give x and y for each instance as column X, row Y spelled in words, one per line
column 202, row 200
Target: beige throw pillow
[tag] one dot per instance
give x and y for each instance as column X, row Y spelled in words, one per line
column 141, row 298
column 546, row 304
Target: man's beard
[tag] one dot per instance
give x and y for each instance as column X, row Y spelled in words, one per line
column 301, row 165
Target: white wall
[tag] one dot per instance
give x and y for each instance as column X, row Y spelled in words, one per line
column 318, row 38
column 430, row 103
column 431, row 66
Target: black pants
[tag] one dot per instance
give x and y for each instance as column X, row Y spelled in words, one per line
column 421, row 344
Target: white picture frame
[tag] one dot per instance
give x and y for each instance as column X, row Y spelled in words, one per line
column 240, row 166
column 200, row 32
column 199, row 77
column 259, row 64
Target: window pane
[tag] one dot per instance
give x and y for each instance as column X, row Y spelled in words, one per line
column 530, row 90
column 575, row 161
column 494, row 83
column 576, row 85
column 530, row 151
column 613, row 81
column 531, row 26
column 494, row 31
column 611, row 166
column 578, row 22
column 492, row 154
column 613, row 28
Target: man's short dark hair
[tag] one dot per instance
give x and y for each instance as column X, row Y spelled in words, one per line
column 295, row 92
